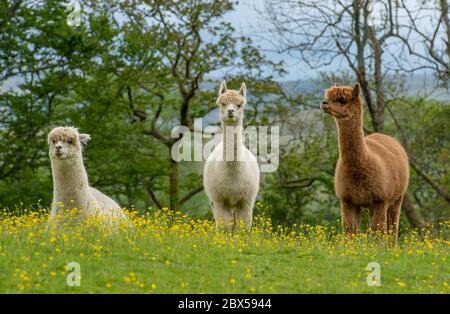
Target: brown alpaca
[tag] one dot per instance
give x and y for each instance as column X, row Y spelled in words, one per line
column 371, row 172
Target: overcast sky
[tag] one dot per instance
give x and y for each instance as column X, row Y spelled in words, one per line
column 248, row 22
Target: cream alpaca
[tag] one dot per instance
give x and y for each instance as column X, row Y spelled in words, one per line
column 231, row 174
column 70, row 181
column 372, row 171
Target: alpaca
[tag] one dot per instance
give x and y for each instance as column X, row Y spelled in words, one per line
column 70, row 182
column 231, row 173
column 371, row 171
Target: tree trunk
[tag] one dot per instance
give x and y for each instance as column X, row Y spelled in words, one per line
column 377, row 114
column 378, row 121
column 361, row 40
column 412, row 213
column 378, row 117
column 174, row 186
column 444, row 10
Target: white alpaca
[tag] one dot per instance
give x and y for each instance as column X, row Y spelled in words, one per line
column 70, row 181
column 231, row 174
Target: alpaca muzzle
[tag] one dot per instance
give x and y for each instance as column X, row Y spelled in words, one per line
column 325, row 106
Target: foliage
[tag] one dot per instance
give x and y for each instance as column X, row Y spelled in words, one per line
column 130, row 73
column 423, row 131
column 125, row 81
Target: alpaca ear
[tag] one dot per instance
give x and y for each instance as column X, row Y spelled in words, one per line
column 223, row 87
column 243, row 90
column 84, row 138
column 355, row 92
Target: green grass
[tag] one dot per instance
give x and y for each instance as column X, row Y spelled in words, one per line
column 170, row 253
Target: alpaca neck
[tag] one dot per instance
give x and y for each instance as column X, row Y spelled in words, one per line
column 352, row 144
column 232, row 143
column 69, row 176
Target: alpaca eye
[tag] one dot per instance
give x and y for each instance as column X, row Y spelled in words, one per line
column 54, row 142
column 70, row 141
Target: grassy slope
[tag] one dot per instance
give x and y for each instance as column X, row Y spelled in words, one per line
column 187, row 256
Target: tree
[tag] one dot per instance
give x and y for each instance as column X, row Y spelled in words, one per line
column 194, row 42
column 319, row 33
column 427, row 37
column 29, row 74
column 61, row 75
column 128, row 74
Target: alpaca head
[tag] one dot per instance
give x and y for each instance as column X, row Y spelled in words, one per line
column 231, row 104
column 342, row 102
column 66, row 143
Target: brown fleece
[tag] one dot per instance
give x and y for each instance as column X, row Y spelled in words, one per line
column 371, row 172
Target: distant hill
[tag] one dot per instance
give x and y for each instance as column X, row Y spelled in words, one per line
column 417, row 85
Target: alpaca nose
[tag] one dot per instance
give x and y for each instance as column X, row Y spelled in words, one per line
column 230, row 111
column 324, row 103
column 58, row 146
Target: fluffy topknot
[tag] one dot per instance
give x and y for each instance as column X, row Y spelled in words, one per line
column 232, row 96
column 343, row 94
column 63, row 134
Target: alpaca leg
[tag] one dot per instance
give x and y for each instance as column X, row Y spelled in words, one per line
column 378, row 217
column 351, row 217
column 244, row 215
column 393, row 217
column 223, row 216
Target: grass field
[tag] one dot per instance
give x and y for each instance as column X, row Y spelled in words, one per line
column 168, row 252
